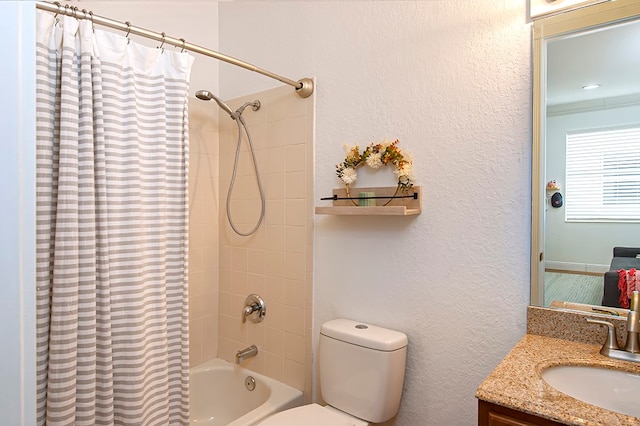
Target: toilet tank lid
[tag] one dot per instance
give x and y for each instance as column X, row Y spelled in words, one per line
column 362, row 334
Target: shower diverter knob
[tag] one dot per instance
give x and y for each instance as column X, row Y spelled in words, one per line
column 254, row 308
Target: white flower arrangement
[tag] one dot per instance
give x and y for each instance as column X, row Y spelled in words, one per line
column 375, row 156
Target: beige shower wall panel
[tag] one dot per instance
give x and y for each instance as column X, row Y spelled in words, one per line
column 275, row 262
column 203, row 232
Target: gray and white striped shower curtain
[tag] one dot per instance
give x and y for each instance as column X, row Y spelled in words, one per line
column 112, row 215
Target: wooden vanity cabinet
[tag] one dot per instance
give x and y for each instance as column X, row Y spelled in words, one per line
column 496, row 415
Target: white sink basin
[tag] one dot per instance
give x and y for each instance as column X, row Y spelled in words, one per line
column 612, row 390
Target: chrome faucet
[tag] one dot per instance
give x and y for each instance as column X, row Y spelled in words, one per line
column 249, row 352
column 631, row 351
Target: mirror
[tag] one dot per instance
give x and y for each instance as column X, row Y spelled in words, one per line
column 596, row 44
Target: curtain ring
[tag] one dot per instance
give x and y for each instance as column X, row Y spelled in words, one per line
column 74, row 12
column 67, row 10
column 93, row 24
column 57, row 3
column 162, row 42
column 183, row 43
column 128, row 31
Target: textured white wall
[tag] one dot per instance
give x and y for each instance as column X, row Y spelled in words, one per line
column 451, row 80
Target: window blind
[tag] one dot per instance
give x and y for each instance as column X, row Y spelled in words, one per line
column 603, row 175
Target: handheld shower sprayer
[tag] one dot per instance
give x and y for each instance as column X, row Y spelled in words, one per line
column 206, row 95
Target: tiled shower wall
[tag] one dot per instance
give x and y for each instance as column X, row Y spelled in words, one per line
column 203, row 231
column 276, row 261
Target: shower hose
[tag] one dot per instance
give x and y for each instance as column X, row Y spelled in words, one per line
column 243, row 125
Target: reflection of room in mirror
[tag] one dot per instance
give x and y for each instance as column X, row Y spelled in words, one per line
column 574, row 255
column 572, row 288
column 608, row 56
column 582, row 249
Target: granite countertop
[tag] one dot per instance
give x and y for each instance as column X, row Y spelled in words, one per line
column 516, row 382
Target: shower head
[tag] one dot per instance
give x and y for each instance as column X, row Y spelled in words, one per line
column 206, row 95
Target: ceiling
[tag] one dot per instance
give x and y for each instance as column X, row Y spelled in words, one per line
column 608, row 56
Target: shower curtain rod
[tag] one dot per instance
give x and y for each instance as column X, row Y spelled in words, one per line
column 303, row 87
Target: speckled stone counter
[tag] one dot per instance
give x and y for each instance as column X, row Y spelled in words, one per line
column 516, row 382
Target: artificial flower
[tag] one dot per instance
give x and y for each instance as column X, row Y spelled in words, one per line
column 375, row 160
column 349, row 175
column 375, row 156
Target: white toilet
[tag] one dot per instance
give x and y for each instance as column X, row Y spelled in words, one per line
column 361, row 376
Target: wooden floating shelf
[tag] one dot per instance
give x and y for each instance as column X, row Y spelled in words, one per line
column 397, row 206
column 368, row 211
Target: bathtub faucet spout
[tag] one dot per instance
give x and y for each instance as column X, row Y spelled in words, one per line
column 246, row 353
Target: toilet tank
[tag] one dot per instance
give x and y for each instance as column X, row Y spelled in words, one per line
column 362, row 368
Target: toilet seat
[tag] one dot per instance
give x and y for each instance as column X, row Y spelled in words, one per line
column 309, row 415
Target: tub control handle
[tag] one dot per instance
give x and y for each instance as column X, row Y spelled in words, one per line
column 254, row 308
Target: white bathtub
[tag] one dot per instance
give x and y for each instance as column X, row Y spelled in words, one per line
column 218, row 395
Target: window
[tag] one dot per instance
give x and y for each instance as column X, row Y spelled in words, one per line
column 603, row 175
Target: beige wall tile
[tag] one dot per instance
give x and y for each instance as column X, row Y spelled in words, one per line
column 275, row 264
column 297, row 133
column 195, row 342
column 275, row 235
column 274, row 366
column 256, row 283
column 259, row 136
column 295, row 212
column 239, row 256
column 275, row 289
column 209, row 336
column 197, row 285
column 276, row 134
column 294, row 293
column 274, row 261
column 274, row 341
column 295, row 266
column 257, row 262
column 276, row 316
column 295, row 160
column 294, row 320
column 295, row 185
column 295, row 239
column 239, row 282
column 274, row 186
column 275, row 214
column 226, row 304
column 294, row 347
column 294, row 374
column 275, row 160
column 203, row 237
column 256, row 335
